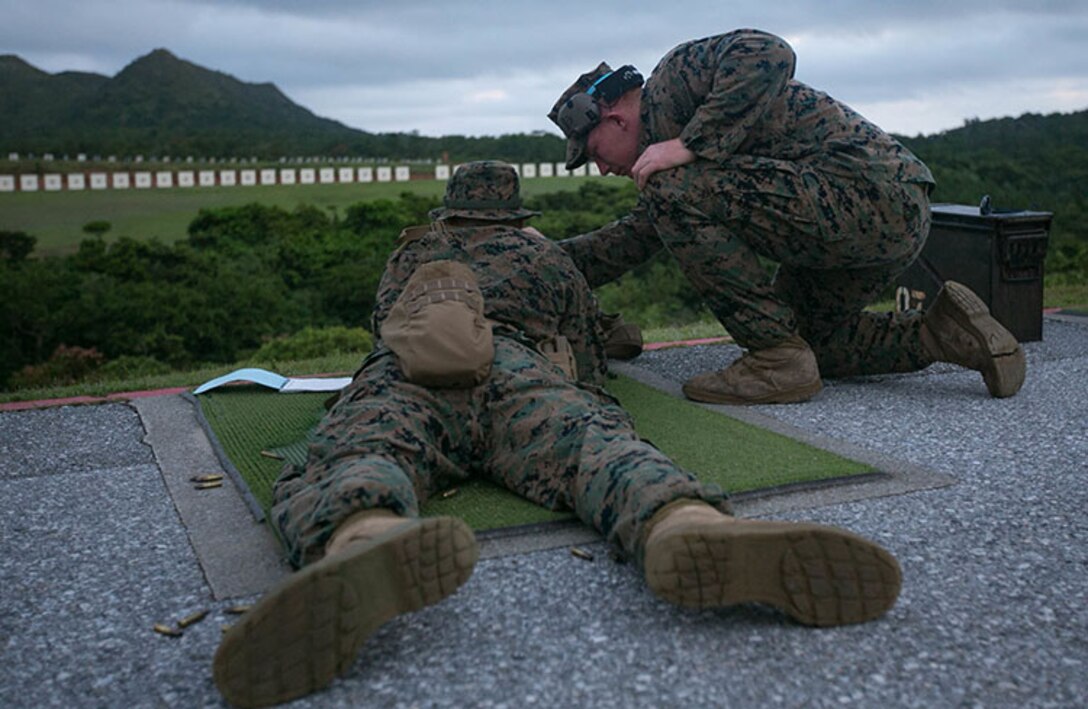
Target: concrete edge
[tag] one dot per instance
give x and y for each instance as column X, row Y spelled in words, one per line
column 238, row 555
column 1071, row 318
column 535, row 537
column 224, row 460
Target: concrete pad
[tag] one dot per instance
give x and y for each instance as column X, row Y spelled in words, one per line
column 89, row 562
column 239, row 556
column 992, row 612
column 70, row 438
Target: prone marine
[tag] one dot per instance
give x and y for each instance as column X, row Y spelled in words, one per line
column 488, row 363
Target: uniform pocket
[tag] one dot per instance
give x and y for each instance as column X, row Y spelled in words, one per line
column 438, row 330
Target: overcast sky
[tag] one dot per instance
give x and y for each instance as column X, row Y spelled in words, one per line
column 487, row 67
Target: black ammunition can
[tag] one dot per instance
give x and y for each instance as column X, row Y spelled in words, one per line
column 997, row 254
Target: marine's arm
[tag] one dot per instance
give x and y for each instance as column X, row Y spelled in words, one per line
column 562, row 303
column 580, row 323
column 398, row 268
column 605, row 254
column 660, row 156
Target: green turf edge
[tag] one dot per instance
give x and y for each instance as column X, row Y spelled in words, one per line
column 738, row 456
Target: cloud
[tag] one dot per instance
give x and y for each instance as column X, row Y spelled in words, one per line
column 488, row 96
column 949, row 107
column 485, row 67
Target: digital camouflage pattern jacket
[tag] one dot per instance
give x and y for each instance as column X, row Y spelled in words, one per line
column 532, row 291
column 734, row 94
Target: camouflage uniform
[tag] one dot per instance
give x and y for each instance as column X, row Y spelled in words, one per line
column 785, row 172
column 389, row 443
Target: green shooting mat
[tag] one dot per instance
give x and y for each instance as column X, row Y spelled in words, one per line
column 256, row 431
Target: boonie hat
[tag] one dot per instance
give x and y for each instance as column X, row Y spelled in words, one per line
column 577, row 111
column 485, row 189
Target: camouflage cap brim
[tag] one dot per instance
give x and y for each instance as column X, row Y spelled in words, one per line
column 576, row 135
column 577, row 152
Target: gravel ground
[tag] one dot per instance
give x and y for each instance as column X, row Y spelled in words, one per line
column 993, row 611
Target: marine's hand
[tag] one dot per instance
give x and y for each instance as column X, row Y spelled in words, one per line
column 660, row 156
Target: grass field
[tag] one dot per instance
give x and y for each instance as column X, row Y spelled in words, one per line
column 57, row 218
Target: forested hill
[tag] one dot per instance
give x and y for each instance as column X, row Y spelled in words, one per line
column 1030, row 162
column 162, row 105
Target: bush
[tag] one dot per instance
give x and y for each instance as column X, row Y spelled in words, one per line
column 316, row 342
column 131, row 367
column 1067, row 263
column 16, row 246
column 97, row 228
column 656, row 294
column 67, row 365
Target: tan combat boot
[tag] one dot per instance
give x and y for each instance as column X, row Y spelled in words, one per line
column 309, row 628
column 958, row 328
column 622, row 340
column 783, row 374
column 698, row 557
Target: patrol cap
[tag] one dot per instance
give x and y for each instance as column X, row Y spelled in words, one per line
column 577, row 111
column 485, row 189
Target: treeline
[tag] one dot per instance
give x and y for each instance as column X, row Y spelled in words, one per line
column 243, row 276
column 1031, row 162
column 514, row 148
column 248, row 275
column 241, row 141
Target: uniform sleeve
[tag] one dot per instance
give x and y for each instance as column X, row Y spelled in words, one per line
column 605, row 254
column 580, row 323
column 397, row 270
column 747, row 70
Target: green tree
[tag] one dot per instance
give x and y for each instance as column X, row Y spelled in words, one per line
column 97, row 228
column 16, row 246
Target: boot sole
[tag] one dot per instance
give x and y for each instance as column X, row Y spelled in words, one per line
column 308, row 629
column 1005, row 367
column 819, row 576
column 793, row 396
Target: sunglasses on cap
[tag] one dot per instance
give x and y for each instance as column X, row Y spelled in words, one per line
column 582, row 112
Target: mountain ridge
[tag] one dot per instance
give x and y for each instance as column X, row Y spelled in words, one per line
column 157, row 104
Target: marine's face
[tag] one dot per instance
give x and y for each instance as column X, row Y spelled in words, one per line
column 613, row 145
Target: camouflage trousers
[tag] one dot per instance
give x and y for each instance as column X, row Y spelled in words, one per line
column 388, row 443
column 839, row 243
